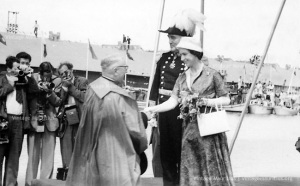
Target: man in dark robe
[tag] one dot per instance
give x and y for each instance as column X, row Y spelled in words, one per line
column 111, row 133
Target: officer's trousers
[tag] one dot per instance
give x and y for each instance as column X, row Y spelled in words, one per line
column 170, row 129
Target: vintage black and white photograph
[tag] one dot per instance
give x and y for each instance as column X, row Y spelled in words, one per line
column 149, row 93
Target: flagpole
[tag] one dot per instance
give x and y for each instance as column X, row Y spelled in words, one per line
column 201, row 32
column 87, row 60
column 244, row 74
column 126, row 58
column 255, row 79
column 155, row 49
column 41, row 46
column 270, row 73
column 292, row 77
column 7, row 22
column 270, row 79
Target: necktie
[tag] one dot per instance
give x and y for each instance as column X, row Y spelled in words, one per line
column 19, row 96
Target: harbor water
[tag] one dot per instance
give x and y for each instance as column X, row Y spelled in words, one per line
column 265, row 147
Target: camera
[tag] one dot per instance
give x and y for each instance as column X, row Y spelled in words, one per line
column 3, row 131
column 21, row 73
column 49, row 85
column 67, row 75
column 41, row 116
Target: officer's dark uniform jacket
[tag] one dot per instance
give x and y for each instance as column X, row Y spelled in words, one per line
column 166, row 138
column 167, row 71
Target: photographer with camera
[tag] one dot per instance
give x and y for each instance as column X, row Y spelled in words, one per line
column 25, row 68
column 73, row 92
column 32, row 87
column 41, row 139
column 13, row 116
column 25, row 60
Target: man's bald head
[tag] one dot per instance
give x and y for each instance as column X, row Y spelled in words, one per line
column 111, row 61
column 114, row 67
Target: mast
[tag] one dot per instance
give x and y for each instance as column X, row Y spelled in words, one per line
column 255, row 79
column 155, row 50
column 201, row 32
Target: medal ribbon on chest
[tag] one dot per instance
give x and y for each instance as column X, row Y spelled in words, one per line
column 172, row 65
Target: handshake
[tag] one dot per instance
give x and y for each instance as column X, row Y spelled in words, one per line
column 151, row 117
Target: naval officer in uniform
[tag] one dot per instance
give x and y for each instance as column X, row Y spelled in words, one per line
column 166, row 133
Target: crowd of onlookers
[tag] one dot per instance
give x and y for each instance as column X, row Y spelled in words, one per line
column 266, row 94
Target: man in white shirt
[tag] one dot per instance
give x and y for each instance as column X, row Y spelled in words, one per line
column 13, row 106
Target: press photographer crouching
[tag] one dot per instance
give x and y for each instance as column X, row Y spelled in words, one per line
column 72, row 93
column 13, row 118
column 41, row 139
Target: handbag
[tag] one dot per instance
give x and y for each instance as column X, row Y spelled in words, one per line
column 72, row 115
column 212, row 122
column 298, row 145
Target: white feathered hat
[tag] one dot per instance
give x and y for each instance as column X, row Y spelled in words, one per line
column 184, row 23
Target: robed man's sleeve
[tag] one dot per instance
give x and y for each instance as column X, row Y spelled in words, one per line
column 133, row 120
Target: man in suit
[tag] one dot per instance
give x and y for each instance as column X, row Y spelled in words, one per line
column 14, row 110
column 73, row 92
column 42, row 136
column 25, row 60
column 166, row 135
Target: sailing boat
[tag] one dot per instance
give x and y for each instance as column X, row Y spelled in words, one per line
column 260, row 105
column 257, row 107
column 286, row 108
column 284, row 111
